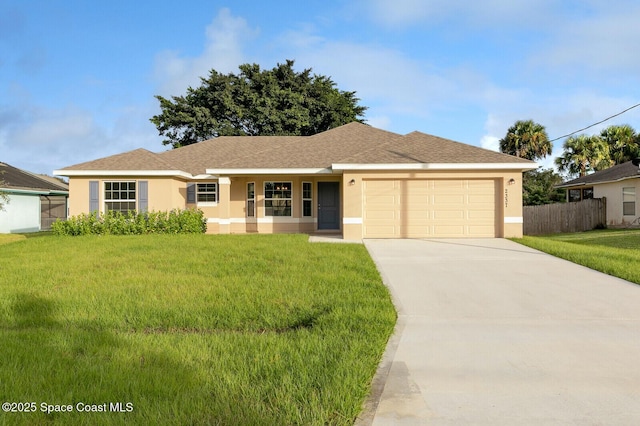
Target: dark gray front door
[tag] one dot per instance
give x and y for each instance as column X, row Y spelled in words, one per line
column 328, row 205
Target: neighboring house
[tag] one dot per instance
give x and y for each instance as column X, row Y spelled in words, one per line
column 355, row 180
column 619, row 184
column 35, row 201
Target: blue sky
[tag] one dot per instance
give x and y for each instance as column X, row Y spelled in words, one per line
column 78, row 78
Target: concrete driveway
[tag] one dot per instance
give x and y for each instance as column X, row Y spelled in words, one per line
column 491, row 332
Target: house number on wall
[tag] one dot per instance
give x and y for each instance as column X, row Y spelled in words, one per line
column 506, row 198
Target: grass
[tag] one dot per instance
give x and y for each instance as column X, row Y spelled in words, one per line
column 614, row 252
column 10, row 238
column 190, row 329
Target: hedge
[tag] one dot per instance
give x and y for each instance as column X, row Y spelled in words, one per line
column 176, row 221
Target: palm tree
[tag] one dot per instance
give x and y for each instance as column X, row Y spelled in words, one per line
column 622, row 141
column 526, row 139
column 583, row 154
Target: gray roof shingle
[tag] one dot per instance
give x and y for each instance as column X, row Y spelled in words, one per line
column 612, row 174
column 15, row 178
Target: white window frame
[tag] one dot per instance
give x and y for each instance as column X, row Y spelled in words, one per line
column 271, row 199
column 198, row 193
column 106, row 200
column 308, row 199
column 629, row 199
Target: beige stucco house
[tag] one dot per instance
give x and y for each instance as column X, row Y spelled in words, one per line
column 354, row 180
column 618, row 184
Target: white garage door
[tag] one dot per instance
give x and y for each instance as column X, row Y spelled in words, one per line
column 429, row 208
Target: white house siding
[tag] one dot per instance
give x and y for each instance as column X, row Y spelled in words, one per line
column 21, row 214
column 613, row 194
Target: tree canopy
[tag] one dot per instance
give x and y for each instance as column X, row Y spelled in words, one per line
column 623, row 143
column 539, row 187
column 583, row 154
column 256, row 102
column 526, row 139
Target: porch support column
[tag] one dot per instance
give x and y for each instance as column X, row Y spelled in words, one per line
column 224, row 205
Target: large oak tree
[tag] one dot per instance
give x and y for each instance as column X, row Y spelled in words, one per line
column 256, row 102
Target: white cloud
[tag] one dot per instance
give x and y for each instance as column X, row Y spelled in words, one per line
column 66, row 135
column 490, row 142
column 560, row 115
column 303, row 37
column 43, row 139
column 385, row 79
column 403, row 13
column 493, row 126
column 397, row 85
column 46, row 127
column 605, row 40
column 223, row 51
column 40, row 137
column 379, row 121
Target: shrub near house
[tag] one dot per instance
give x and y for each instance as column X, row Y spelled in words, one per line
column 189, row 221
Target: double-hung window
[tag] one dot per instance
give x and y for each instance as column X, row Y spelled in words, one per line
column 307, row 199
column 207, row 192
column 120, row 196
column 277, row 198
column 629, row 201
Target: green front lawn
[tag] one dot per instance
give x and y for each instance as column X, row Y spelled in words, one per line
column 9, row 238
column 614, row 252
column 190, row 329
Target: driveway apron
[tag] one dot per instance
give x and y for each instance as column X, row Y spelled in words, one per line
column 493, row 333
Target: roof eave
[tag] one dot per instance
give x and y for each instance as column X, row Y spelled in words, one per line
column 34, row 191
column 268, row 171
column 436, row 166
column 570, row 185
column 152, row 173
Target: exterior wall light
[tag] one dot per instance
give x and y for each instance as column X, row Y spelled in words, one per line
column 512, row 181
column 352, row 182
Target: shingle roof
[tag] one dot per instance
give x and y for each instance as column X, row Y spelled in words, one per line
column 353, row 143
column 138, row 159
column 224, row 150
column 15, row 178
column 612, row 174
column 317, row 151
column 417, row 147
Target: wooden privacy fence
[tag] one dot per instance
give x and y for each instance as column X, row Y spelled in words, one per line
column 565, row 217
